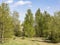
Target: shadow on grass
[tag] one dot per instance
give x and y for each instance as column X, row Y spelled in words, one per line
column 45, row 41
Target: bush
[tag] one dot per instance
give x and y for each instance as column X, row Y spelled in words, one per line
column 54, row 37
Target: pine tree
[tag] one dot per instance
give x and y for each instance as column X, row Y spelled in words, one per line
column 47, row 20
column 28, row 26
column 39, row 23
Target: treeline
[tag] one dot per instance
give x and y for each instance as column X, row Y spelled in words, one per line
column 42, row 25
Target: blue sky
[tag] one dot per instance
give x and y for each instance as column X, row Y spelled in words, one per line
column 22, row 5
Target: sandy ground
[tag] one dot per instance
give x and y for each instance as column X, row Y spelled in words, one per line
column 34, row 41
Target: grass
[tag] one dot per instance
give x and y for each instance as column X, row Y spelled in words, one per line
column 28, row 41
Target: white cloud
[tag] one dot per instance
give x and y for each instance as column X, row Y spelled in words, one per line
column 48, row 7
column 21, row 2
column 9, row 1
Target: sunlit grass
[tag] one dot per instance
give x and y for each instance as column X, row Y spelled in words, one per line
column 27, row 41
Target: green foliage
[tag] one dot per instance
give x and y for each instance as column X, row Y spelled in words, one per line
column 39, row 23
column 46, row 24
column 9, row 25
column 55, row 27
column 16, row 23
column 6, row 24
column 28, row 24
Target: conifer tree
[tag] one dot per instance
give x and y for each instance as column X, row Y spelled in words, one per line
column 39, row 23
column 28, row 24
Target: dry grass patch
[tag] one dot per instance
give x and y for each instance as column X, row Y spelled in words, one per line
column 28, row 41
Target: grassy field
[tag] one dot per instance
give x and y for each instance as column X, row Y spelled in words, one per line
column 28, row 41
